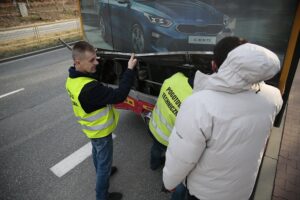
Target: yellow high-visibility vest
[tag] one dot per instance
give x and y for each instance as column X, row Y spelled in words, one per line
column 97, row 124
column 173, row 92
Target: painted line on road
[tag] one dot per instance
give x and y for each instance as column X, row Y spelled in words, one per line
column 13, row 92
column 74, row 159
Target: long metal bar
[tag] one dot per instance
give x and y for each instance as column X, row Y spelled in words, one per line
column 209, row 53
column 153, row 82
column 64, row 43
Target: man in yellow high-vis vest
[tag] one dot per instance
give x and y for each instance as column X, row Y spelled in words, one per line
column 173, row 92
column 92, row 105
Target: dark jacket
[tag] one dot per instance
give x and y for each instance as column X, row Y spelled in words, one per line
column 94, row 95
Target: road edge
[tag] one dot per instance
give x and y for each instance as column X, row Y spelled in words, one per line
column 4, row 60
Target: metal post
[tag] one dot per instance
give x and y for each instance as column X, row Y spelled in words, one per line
column 36, row 33
column 28, row 4
column 289, row 81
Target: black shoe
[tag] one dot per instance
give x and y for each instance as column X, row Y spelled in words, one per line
column 113, row 170
column 115, row 196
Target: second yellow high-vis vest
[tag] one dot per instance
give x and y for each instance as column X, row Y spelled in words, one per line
column 173, row 92
column 97, row 124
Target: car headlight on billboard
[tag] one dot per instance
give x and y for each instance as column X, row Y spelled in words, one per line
column 158, row 20
column 226, row 20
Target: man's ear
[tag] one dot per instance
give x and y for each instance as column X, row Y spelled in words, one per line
column 77, row 62
column 214, row 66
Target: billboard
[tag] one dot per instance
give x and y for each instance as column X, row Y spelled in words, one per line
column 146, row 26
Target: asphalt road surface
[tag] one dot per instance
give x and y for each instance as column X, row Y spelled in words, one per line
column 44, row 155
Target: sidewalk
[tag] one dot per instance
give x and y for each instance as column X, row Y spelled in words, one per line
column 279, row 176
column 287, row 180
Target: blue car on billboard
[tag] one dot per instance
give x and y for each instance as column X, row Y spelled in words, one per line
column 161, row 25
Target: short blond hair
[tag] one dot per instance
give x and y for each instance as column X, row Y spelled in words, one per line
column 80, row 48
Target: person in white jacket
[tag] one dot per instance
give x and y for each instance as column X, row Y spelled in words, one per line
column 220, row 132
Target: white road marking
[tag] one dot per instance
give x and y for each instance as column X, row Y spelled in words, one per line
column 15, row 91
column 68, row 163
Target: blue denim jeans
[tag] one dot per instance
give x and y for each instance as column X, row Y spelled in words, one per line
column 102, row 157
column 179, row 193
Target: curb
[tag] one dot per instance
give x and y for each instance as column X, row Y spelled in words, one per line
column 34, row 52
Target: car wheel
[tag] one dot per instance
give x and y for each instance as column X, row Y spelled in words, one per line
column 137, row 39
column 102, row 27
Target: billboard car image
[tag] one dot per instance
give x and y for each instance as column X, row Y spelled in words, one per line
column 159, row 26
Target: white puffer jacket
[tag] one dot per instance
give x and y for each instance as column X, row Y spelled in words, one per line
column 221, row 130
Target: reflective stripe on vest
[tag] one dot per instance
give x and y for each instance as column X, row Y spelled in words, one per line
column 99, row 127
column 173, row 92
column 161, row 134
column 162, row 119
column 97, row 124
column 95, row 117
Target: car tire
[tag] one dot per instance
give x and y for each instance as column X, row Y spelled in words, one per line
column 137, row 39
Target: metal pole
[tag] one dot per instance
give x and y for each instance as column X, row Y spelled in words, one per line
column 64, row 43
column 289, row 81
